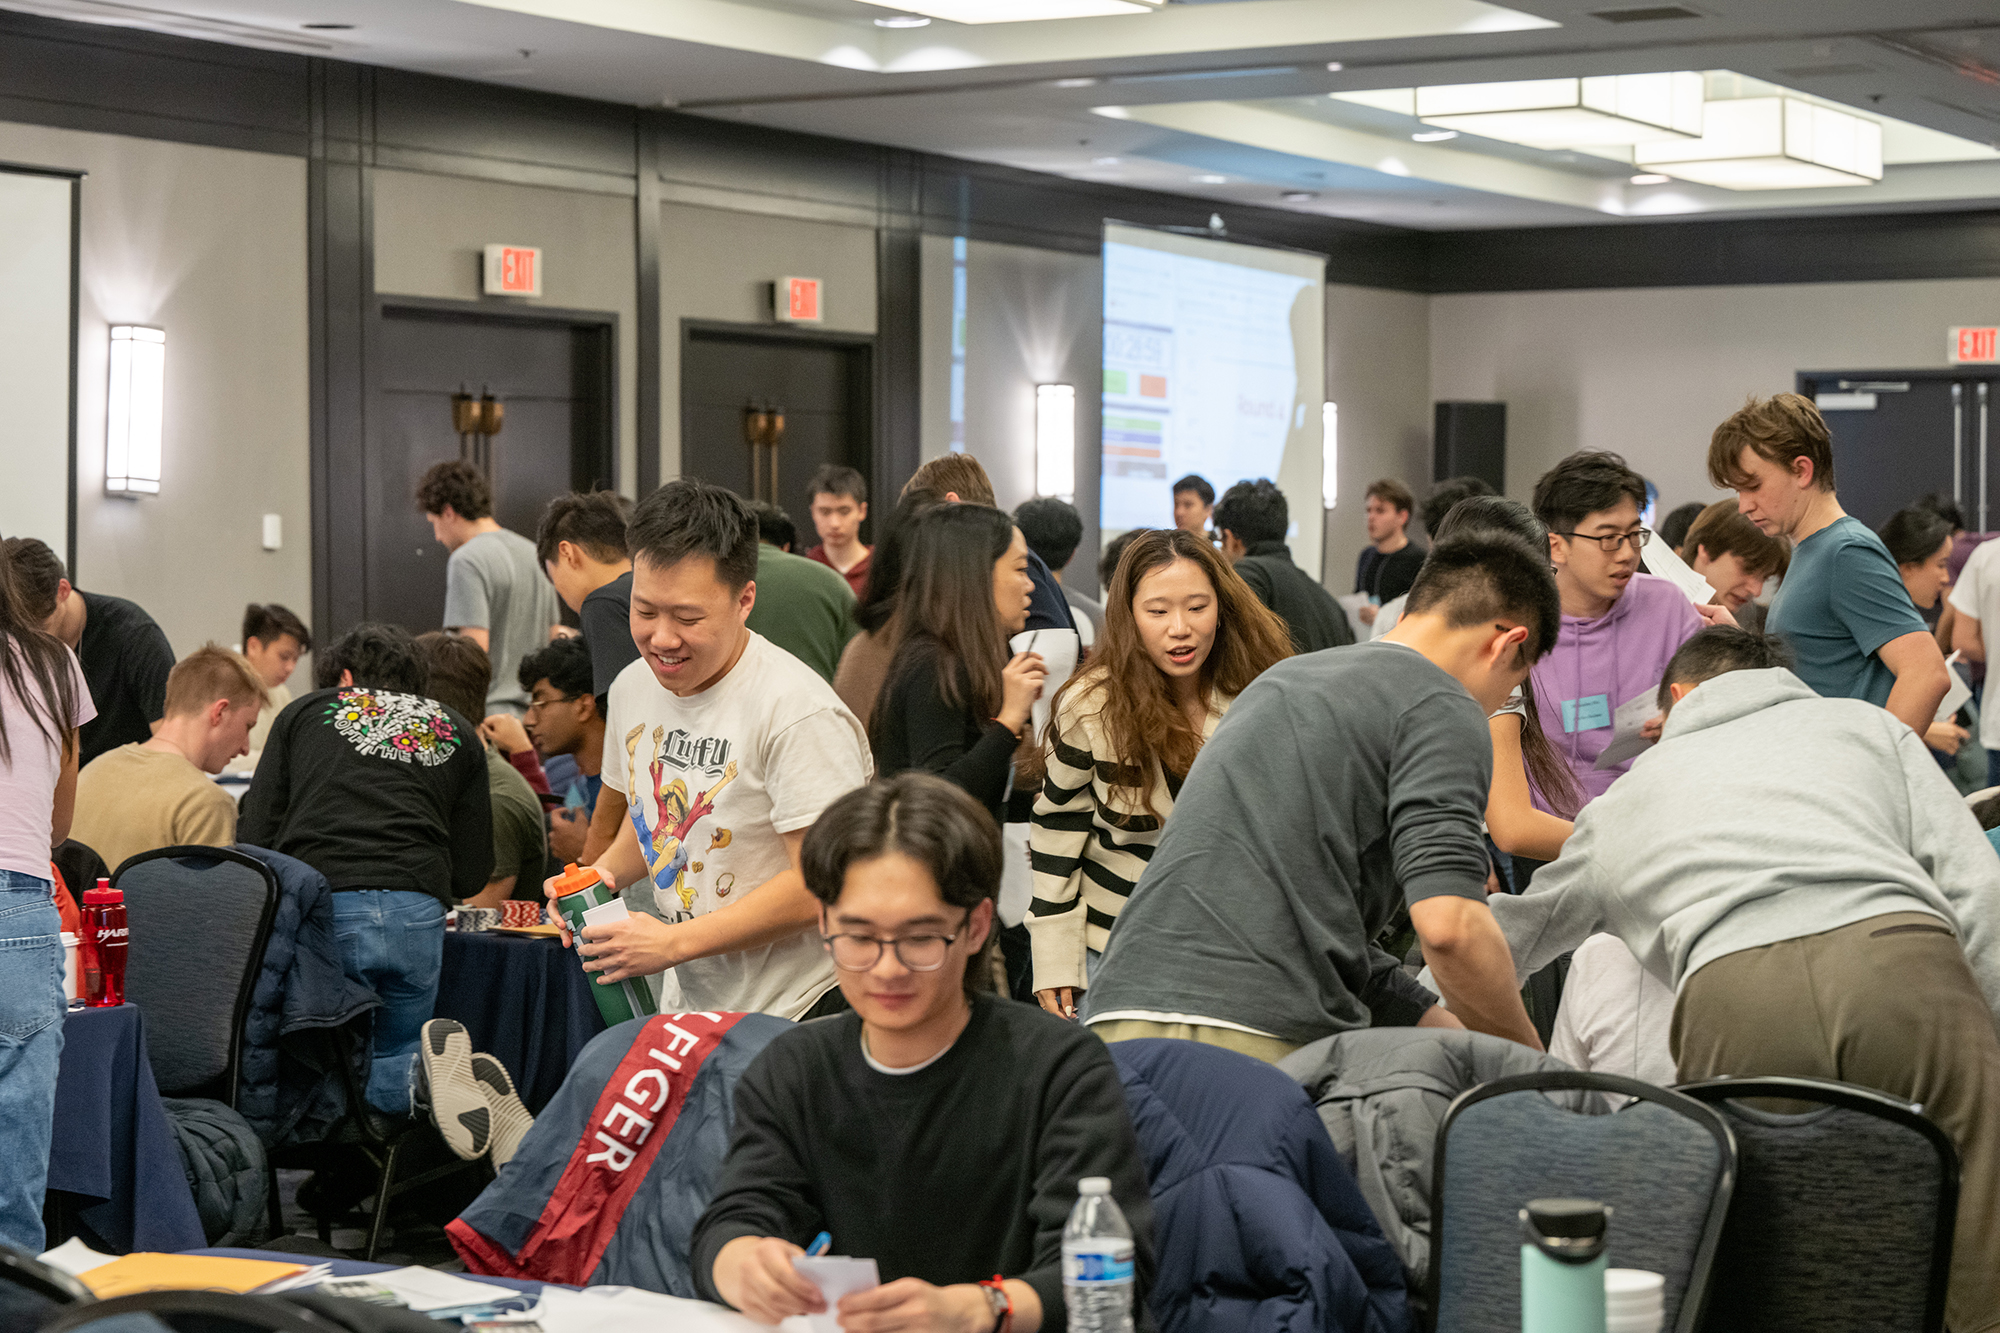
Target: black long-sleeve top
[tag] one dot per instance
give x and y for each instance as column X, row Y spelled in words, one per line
column 375, row 790
column 962, row 1169
column 914, row 727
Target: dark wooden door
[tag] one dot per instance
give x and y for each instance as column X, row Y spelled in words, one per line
column 554, row 381
column 824, row 388
column 1899, row 435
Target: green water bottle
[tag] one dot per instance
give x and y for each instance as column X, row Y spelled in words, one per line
column 1562, row 1265
column 577, row 891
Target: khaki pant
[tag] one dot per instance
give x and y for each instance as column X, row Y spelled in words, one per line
column 1890, row 1004
column 1268, row 1049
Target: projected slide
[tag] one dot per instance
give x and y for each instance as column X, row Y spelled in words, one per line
column 1213, row 364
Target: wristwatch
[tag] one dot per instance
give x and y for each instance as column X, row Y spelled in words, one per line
column 1000, row 1303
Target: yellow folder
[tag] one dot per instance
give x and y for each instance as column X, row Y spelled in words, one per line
column 183, row 1272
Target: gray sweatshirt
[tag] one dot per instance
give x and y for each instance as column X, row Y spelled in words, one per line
column 1765, row 813
column 1340, row 786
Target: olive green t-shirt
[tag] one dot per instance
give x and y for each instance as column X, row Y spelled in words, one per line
column 804, row 607
column 520, row 839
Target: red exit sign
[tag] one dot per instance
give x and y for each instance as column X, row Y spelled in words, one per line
column 797, row 300
column 513, row 270
column 1975, row 345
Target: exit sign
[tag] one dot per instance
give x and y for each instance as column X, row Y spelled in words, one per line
column 1975, row 345
column 797, row 300
column 513, row 270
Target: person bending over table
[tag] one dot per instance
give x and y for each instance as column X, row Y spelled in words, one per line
column 936, row 1128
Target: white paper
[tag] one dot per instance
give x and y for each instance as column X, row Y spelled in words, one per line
column 835, row 1275
column 1956, row 695
column 426, row 1289
column 1662, row 561
column 1352, row 603
column 630, row 1310
column 1626, row 742
column 312, row 1277
column 75, row 1258
column 605, row 914
column 1059, row 650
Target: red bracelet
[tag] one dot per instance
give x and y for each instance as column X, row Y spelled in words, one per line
column 998, row 1284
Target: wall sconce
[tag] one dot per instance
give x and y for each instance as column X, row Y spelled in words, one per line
column 1329, row 453
column 1055, row 440
column 134, row 415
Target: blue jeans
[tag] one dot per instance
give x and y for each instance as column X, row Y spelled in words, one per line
column 31, row 1042
column 392, row 942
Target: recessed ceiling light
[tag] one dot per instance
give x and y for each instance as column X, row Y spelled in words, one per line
column 1650, row 178
column 1433, row 136
column 1068, row 83
column 1209, row 180
column 1106, row 161
column 1298, row 196
column 903, row 21
column 1335, row 66
column 328, row 27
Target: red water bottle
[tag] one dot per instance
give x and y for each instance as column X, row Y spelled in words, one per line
column 104, row 942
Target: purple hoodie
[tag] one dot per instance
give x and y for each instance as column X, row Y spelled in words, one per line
column 1598, row 664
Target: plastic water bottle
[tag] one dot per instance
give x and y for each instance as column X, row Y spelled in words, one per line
column 1097, row 1261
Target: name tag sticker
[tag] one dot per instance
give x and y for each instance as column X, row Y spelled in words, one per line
column 1586, row 714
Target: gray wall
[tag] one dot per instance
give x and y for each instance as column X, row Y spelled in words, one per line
column 1650, row 372
column 209, row 244
column 1378, row 371
column 431, row 232
column 714, row 265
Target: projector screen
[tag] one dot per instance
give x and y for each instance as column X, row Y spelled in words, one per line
column 37, row 279
column 1214, row 363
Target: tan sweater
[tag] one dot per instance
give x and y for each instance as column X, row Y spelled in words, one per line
column 863, row 670
column 132, row 799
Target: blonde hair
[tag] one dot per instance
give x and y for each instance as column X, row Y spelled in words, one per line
column 209, row 673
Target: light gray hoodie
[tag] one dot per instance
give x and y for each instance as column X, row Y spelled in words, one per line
column 1765, row 813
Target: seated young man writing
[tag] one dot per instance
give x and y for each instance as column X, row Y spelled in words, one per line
column 936, row 1128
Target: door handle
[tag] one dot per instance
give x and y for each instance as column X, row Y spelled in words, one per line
column 1982, row 457
column 1958, row 446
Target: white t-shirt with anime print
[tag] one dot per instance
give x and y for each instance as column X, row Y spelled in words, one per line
column 713, row 781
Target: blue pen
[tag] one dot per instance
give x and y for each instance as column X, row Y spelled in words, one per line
column 821, row 1244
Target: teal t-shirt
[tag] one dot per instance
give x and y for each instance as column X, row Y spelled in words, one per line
column 1841, row 600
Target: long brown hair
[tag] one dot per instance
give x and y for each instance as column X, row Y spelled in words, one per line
column 35, row 666
column 945, row 609
column 1135, row 703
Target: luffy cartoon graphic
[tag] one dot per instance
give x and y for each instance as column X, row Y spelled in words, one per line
column 662, row 838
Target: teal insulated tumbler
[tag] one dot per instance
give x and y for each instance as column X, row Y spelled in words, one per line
column 1562, row 1265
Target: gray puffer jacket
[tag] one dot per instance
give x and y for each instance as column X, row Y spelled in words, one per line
column 1382, row 1093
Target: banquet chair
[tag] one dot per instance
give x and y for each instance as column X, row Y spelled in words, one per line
column 31, row 1291
column 1665, row 1165
column 1843, row 1213
column 199, row 921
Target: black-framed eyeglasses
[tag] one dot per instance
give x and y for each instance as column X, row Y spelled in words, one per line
column 919, row 953
column 1611, row 541
column 536, row 705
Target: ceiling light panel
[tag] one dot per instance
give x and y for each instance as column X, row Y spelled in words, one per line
column 1018, row 11
column 1570, row 113
column 1772, row 143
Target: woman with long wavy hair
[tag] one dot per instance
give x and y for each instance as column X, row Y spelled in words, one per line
column 1183, row 636
column 43, row 701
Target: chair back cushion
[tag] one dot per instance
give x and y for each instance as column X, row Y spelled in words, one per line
column 1656, row 1167
column 198, row 922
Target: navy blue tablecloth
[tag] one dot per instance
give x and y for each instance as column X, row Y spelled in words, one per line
column 525, row 1001
column 113, row 1148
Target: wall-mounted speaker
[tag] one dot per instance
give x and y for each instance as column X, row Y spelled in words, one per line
column 1470, row 440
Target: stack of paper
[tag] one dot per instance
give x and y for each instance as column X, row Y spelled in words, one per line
column 1663, row 562
column 427, row 1291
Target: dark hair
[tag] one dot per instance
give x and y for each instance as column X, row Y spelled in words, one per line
column 774, row 525
column 1053, row 529
column 1490, row 574
column 37, row 572
column 1716, row 650
column 458, row 673
column 1391, row 492
column 945, row 611
column 1914, row 533
column 1199, row 485
column 1114, row 551
column 1547, row 769
column 952, row 474
column 1987, row 812
column 1777, row 429
column 935, row 823
column 1945, row 508
column 377, row 656
column 1674, row 527
column 1254, row 510
column 1722, row 530
column 695, row 518
column 268, row 624
column 1446, row 494
column 563, row 663
column 885, row 562
column 1585, row 483
column 592, row 520
column 835, row 479
column 34, row 665
column 456, row 483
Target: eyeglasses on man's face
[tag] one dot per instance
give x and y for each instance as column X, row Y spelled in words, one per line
column 1610, row 542
column 918, row 953
column 537, row 705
